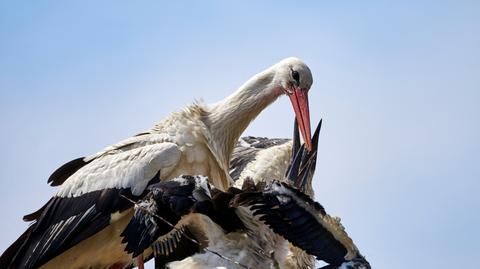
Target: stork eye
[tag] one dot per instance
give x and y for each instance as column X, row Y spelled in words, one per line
column 296, row 76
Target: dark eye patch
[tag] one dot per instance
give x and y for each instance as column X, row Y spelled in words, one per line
column 296, row 76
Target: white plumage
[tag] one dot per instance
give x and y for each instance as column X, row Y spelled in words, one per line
column 260, row 160
column 267, row 165
column 197, row 140
column 131, row 169
column 246, row 228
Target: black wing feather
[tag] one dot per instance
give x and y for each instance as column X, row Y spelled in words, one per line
column 146, row 226
column 65, row 171
column 284, row 214
column 243, row 155
column 218, row 210
column 57, row 178
column 155, row 215
column 62, row 223
column 177, row 245
column 13, row 250
column 65, row 222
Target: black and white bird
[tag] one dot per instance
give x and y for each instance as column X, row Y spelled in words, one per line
column 258, row 246
column 296, row 217
column 259, row 161
column 180, row 226
column 80, row 225
column 180, row 218
column 263, row 159
column 163, row 207
column 245, row 246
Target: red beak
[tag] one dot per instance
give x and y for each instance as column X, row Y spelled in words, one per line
column 299, row 99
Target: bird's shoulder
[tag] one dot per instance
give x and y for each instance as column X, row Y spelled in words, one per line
column 130, row 166
column 61, row 174
column 186, row 126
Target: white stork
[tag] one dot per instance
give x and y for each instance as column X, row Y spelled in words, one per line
column 265, row 241
column 80, row 225
column 180, row 218
column 260, row 160
column 235, row 234
column 263, row 160
column 290, row 213
column 267, row 224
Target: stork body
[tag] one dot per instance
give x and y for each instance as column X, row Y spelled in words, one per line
column 80, row 226
column 260, row 161
column 303, row 222
column 211, row 225
column 256, row 161
column 263, row 160
column 267, row 224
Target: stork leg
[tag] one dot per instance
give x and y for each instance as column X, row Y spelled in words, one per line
column 140, row 263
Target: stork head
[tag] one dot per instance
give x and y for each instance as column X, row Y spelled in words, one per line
column 294, row 78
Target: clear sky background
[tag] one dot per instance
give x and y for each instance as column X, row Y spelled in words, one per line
column 397, row 84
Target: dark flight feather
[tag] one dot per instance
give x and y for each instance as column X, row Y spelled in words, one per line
column 284, row 210
column 178, row 244
column 62, row 223
column 65, row 171
column 163, row 206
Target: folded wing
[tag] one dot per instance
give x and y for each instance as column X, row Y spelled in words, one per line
column 91, row 191
column 300, row 220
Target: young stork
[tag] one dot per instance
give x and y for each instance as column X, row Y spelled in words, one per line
column 80, row 226
column 228, row 232
column 281, row 226
column 260, row 160
column 296, row 217
column 181, row 221
column 256, row 161
column 264, row 159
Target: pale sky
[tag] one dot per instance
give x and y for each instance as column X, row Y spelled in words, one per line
column 397, row 84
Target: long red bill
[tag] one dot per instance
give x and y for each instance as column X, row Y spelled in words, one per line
column 299, row 99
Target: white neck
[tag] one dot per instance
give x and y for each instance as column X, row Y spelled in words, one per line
column 230, row 117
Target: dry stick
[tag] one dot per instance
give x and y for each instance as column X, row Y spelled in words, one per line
column 186, row 236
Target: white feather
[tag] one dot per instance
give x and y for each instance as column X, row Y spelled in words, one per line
column 127, row 169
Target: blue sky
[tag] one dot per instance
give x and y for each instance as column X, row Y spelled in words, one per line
column 397, row 84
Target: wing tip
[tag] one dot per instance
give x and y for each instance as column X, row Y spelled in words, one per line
column 65, row 171
column 8, row 259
